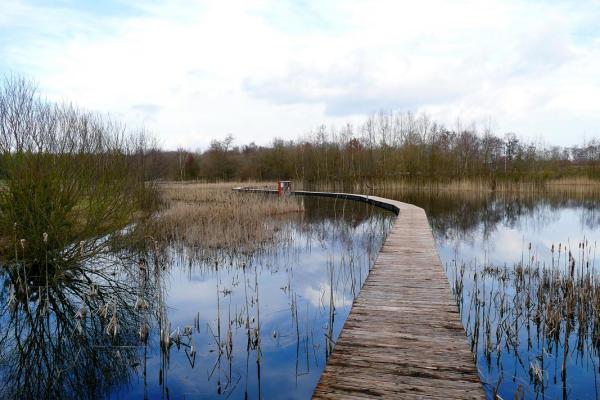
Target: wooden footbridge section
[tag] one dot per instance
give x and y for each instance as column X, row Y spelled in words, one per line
column 403, row 338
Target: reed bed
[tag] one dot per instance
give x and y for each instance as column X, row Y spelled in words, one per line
column 534, row 326
column 569, row 186
column 212, row 217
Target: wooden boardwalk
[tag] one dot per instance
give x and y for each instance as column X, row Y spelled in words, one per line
column 403, row 337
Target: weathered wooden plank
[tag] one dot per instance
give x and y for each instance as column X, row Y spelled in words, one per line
column 403, row 337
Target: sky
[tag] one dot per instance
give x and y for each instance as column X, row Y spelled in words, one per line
column 191, row 71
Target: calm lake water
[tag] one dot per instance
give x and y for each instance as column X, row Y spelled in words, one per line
column 261, row 326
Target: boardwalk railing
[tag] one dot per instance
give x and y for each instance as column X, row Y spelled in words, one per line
column 403, row 337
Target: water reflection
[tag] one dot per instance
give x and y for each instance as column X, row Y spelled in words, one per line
column 468, row 215
column 535, row 327
column 164, row 324
column 56, row 339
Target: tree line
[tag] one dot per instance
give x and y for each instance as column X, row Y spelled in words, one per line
column 45, row 142
column 390, row 146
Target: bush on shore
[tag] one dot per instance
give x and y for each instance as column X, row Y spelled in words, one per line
column 71, row 179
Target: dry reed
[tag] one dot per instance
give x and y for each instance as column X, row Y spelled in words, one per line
column 212, row 217
column 579, row 185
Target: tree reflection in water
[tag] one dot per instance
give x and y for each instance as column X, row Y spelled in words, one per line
column 75, row 337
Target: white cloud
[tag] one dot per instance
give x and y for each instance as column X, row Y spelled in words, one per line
column 319, row 296
column 191, row 71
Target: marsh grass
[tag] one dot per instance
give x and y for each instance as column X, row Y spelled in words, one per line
column 212, row 218
column 535, row 324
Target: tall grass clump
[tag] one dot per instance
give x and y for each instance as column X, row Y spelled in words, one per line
column 70, row 179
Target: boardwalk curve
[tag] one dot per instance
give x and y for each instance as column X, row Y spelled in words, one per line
column 403, row 337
